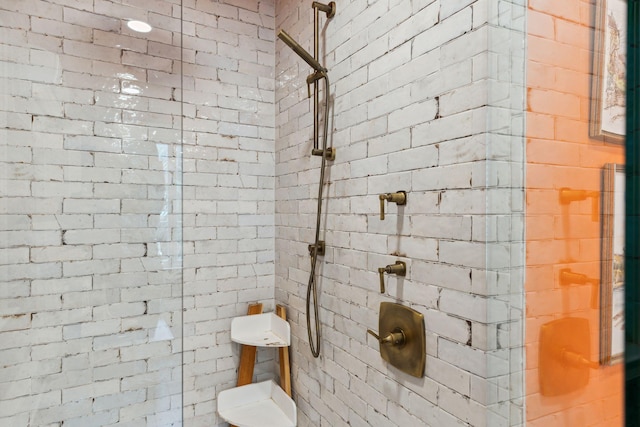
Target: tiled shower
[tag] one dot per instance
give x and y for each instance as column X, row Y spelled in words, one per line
column 153, row 185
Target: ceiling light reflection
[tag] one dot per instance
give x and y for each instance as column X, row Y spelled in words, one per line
column 139, row 26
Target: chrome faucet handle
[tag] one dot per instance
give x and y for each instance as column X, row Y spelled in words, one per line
column 381, row 271
column 382, row 197
column 399, row 269
column 399, row 198
column 396, row 337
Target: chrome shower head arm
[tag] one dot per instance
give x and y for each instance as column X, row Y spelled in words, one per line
column 282, row 35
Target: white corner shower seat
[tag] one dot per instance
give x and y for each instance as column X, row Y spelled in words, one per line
column 263, row 404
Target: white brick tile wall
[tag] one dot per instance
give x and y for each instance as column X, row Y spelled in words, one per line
column 415, row 120
column 408, row 95
column 87, row 171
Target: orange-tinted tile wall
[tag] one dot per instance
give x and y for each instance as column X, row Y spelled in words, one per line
column 560, row 154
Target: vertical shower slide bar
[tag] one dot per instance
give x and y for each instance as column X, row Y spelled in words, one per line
column 330, row 10
column 316, row 100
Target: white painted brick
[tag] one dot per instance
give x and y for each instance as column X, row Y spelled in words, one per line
column 93, row 144
column 464, row 357
column 27, row 403
column 447, row 326
column 452, row 377
column 60, row 253
column 14, row 256
column 19, row 155
column 467, row 253
column 114, row 399
column 448, row 128
column 30, row 271
column 464, row 98
column 467, row 45
column 467, row 201
column 102, row 418
column 448, row 32
column 443, row 275
column 58, row 381
column 19, row 370
column 486, row 336
column 468, row 410
column 450, row 78
column 15, row 322
column 89, row 329
column 371, row 166
column 52, row 11
column 74, row 237
column 117, row 372
column 148, row 407
column 83, row 298
column 17, row 389
column 453, row 6
column 149, row 292
column 119, row 251
column 446, row 227
column 35, row 73
column 390, row 61
column 416, row 158
column 58, row 286
column 61, row 29
column 91, row 174
column 145, row 351
column 15, row 339
column 413, row 115
column 75, row 206
column 14, row 222
column 30, row 238
column 83, row 268
column 237, row 27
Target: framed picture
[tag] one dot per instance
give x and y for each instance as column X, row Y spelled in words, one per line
column 608, row 87
column 612, row 270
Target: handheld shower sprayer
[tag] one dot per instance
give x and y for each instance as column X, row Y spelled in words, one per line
column 282, row 35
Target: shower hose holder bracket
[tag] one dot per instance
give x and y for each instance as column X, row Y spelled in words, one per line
column 329, row 153
column 329, row 9
column 317, row 248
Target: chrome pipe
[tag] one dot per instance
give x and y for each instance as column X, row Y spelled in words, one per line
column 316, row 96
column 282, row 35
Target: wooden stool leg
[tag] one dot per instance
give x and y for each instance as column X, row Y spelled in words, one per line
column 285, row 368
column 248, row 354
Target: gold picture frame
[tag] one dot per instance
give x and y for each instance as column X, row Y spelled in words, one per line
column 612, row 269
column 608, row 84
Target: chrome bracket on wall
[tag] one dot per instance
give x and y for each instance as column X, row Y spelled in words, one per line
column 318, row 249
column 329, row 153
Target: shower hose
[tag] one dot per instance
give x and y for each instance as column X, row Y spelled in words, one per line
column 312, row 288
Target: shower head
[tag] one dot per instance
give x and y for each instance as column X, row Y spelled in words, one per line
column 282, row 35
